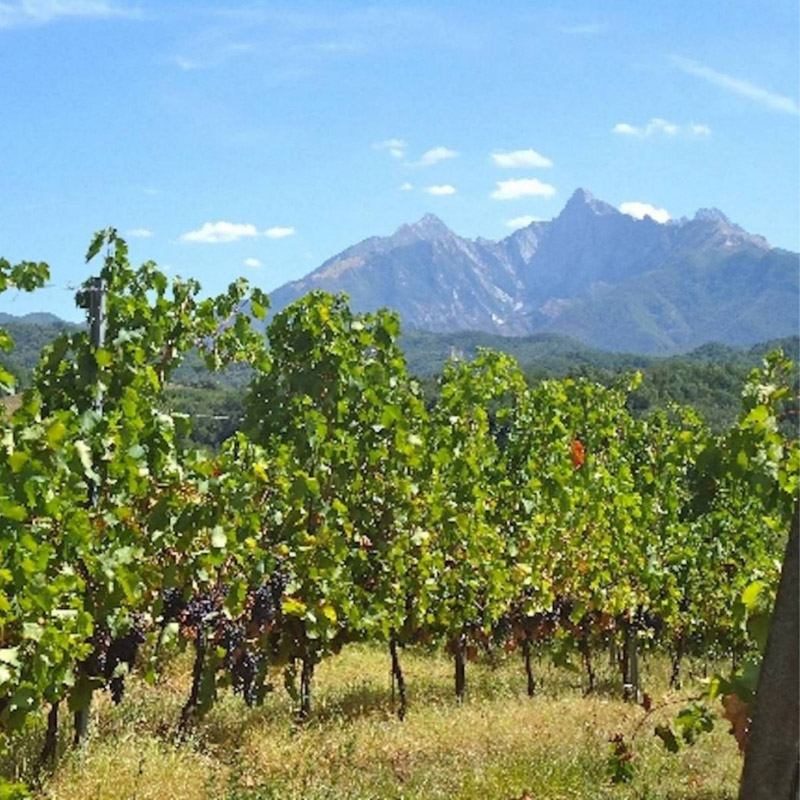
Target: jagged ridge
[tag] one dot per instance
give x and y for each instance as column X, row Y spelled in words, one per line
column 594, row 273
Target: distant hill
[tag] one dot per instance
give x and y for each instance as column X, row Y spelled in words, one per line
column 542, row 353
column 709, row 378
column 592, row 273
column 555, row 355
column 31, row 333
column 35, row 318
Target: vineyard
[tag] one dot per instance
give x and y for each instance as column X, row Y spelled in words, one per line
column 503, row 518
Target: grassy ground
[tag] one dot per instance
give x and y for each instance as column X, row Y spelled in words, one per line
column 498, row 744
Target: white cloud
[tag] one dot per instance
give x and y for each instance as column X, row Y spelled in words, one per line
column 396, row 147
column 521, row 158
column 699, row 130
column 522, row 222
column 252, row 263
column 642, row 210
column 215, row 232
column 40, row 12
column 406, row 187
column 436, row 154
column 625, row 129
column 442, row 190
column 656, row 125
column 279, row 232
column 522, row 187
column 763, row 97
column 139, row 233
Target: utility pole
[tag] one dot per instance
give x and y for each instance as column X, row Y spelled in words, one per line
column 97, row 325
column 97, row 337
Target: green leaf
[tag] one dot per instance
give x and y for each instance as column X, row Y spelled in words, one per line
column 751, row 595
column 667, row 736
column 103, row 358
column 55, row 433
column 13, row 791
column 219, row 538
column 85, row 456
column 292, row 606
column 18, row 460
column 13, row 511
column 96, row 244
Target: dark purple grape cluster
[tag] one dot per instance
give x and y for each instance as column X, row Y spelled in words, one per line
column 230, row 636
column 199, row 611
column 266, row 599
column 95, row 663
column 122, row 650
column 173, row 604
column 279, row 581
column 240, row 660
column 244, row 670
column 264, row 610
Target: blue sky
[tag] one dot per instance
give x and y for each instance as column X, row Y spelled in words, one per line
column 259, row 139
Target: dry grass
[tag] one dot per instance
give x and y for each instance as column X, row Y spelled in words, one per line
column 497, row 744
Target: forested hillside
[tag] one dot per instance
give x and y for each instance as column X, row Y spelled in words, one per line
column 708, row 378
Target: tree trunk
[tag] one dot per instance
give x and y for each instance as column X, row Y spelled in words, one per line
column 460, row 668
column 771, row 766
column 675, row 678
column 526, row 652
column 306, row 675
column 623, row 656
column 197, row 676
column 613, row 654
column 586, row 654
column 80, row 724
column 397, row 675
column 47, row 758
column 630, row 677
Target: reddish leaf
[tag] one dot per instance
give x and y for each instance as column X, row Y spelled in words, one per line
column 737, row 713
column 578, row 453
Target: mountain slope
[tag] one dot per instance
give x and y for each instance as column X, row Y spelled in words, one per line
column 435, row 279
column 592, row 273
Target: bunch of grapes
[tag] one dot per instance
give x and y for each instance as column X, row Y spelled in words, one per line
column 240, row 660
column 173, row 604
column 94, row 664
column 198, row 613
column 122, row 650
column 264, row 610
column 244, row 670
column 266, row 599
column 230, row 636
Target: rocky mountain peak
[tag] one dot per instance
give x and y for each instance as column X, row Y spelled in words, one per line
column 721, row 226
column 711, row 215
column 428, row 228
column 583, row 202
column 592, row 273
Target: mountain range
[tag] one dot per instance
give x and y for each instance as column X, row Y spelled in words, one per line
column 593, row 273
